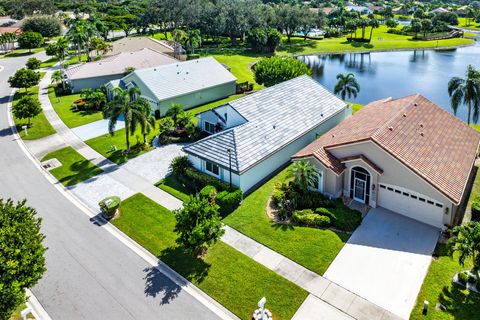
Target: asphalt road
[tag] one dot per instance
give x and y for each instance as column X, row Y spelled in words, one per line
column 91, row 274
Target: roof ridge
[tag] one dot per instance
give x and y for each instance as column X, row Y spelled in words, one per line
column 235, row 147
column 393, row 118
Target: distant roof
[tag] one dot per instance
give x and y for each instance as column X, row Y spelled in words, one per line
column 326, row 10
column 15, row 30
column 439, row 10
column 276, row 116
column 129, row 44
column 180, row 78
column 423, row 136
column 117, row 64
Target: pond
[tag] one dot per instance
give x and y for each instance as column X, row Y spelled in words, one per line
column 397, row 74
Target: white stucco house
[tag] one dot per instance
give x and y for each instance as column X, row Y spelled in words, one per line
column 407, row 155
column 97, row 73
column 254, row 136
column 189, row 83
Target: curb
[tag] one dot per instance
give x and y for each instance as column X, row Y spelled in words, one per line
column 37, row 309
column 179, row 280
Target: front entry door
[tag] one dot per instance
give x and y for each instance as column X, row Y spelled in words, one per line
column 359, row 190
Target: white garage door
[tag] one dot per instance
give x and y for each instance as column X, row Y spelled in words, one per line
column 410, row 204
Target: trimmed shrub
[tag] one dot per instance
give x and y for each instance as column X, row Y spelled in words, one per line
column 327, row 213
column 462, row 277
column 179, row 165
column 311, row 200
column 476, row 208
column 229, row 201
column 201, row 180
column 309, row 218
column 109, row 206
column 208, row 192
column 193, row 56
column 278, row 196
column 344, row 218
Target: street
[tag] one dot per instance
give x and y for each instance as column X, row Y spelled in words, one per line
column 90, row 273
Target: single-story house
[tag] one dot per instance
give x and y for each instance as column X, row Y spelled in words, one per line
column 97, row 73
column 189, row 83
column 407, row 155
column 16, row 30
column 130, row 44
column 254, row 136
column 439, row 10
column 360, row 9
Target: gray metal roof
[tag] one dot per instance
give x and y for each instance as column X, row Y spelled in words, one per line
column 276, row 116
column 177, row 79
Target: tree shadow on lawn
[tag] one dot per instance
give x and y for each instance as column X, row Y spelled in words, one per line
column 193, row 269
column 83, row 171
column 459, row 302
column 297, row 47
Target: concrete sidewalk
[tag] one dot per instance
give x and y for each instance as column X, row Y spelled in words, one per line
column 119, row 175
column 342, row 304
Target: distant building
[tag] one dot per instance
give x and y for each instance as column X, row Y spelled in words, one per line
column 189, row 83
column 130, row 44
column 439, row 10
column 360, row 9
column 97, row 73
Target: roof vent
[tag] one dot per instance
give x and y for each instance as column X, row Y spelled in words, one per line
column 154, row 69
column 390, row 128
column 333, row 136
column 415, row 104
column 421, row 133
column 321, row 115
column 273, row 126
column 421, row 125
column 404, row 115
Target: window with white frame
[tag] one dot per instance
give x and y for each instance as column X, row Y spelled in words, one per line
column 212, row 168
column 209, row 127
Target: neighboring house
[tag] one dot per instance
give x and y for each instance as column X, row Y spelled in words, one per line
column 189, row 83
column 129, row 44
column 439, row 10
column 407, row 155
column 461, row 11
column 16, row 30
column 360, row 9
column 97, row 73
column 254, row 136
column 325, row 10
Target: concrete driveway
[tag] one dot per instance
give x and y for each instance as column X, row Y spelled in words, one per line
column 385, row 260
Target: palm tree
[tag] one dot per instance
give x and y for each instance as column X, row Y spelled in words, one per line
column 347, row 86
column 148, row 123
column 193, row 39
column 466, row 241
column 57, row 77
column 373, row 23
column 178, row 36
column 61, row 47
column 466, row 91
column 125, row 103
column 304, row 174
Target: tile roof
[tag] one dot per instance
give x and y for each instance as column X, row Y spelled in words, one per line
column 129, row 44
column 117, row 64
column 181, row 78
column 276, row 116
column 424, row 137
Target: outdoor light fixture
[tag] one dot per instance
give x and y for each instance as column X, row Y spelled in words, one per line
column 230, row 165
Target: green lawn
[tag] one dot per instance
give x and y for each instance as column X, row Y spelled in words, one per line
column 75, row 168
column 472, row 24
column 228, row 276
column 21, row 52
column 73, row 59
column 381, row 40
column 103, row 145
column 40, row 126
column 49, row 62
column 171, row 185
column 356, row 107
column 313, row 248
column 438, row 288
column 68, row 114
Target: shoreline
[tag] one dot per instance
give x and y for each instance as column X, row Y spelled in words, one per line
column 439, row 48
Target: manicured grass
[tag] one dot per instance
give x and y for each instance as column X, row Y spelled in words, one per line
column 356, row 107
column 73, row 59
column 475, row 126
column 63, row 106
column 381, row 40
column 228, row 276
column 313, row 248
column 103, row 145
column 472, row 24
column 40, row 126
column 213, row 104
column 75, row 168
column 171, row 185
column 438, row 288
column 21, row 52
column 49, row 62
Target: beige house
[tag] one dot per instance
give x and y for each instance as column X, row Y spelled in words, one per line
column 130, row 44
column 407, row 155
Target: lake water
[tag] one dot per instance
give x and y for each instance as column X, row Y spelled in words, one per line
column 397, row 74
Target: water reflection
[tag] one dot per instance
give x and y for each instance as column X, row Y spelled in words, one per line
column 397, row 74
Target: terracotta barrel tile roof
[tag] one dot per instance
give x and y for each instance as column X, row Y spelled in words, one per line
column 424, row 137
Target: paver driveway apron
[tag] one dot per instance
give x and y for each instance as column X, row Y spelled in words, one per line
column 385, row 260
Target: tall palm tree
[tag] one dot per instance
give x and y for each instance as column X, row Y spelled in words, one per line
column 466, row 241
column 347, row 86
column 148, row 123
column 57, row 77
column 374, row 24
column 466, row 91
column 178, row 36
column 128, row 104
column 304, row 174
column 61, row 47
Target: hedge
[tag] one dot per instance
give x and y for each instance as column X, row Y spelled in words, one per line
column 342, row 217
column 229, row 201
column 309, row 218
column 201, row 180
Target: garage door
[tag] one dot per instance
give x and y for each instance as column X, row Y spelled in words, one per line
column 410, row 204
